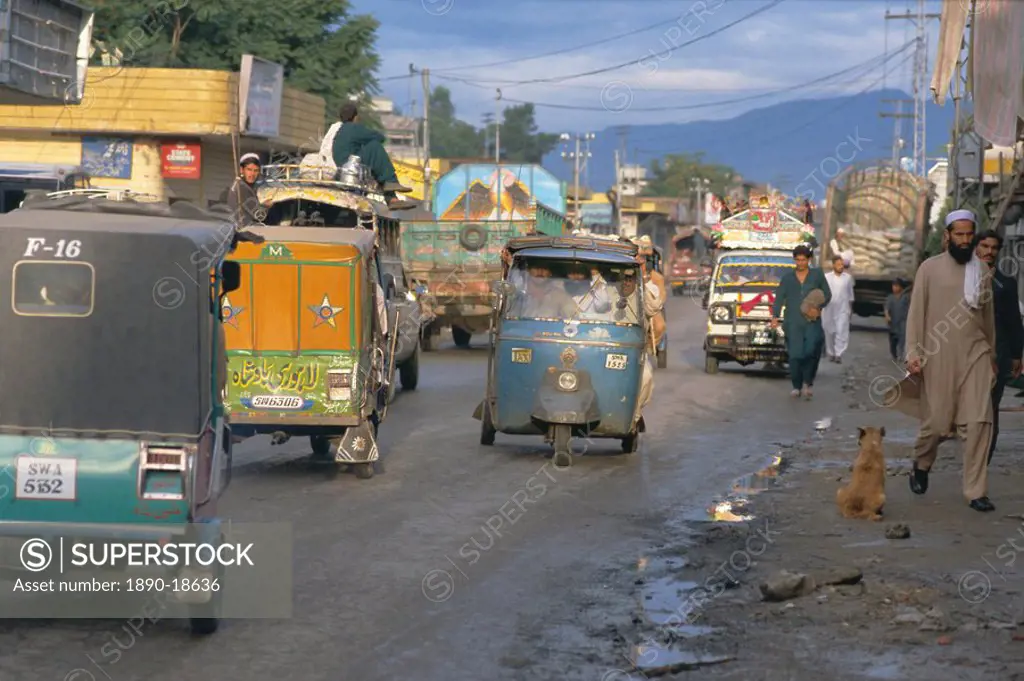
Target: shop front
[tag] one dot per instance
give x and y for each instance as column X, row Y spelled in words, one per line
column 166, row 132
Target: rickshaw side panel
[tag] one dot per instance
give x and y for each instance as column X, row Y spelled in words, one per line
column 302, row 327
column 517, row 382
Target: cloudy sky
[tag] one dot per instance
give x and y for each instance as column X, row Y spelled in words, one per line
column 476, row 46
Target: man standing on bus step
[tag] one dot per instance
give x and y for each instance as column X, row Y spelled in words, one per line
column 835, row 317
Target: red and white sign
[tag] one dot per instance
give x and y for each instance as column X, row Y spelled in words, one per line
column 181, row 161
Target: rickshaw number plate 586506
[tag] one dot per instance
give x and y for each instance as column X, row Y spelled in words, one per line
column 615, row 361
column 46, row 478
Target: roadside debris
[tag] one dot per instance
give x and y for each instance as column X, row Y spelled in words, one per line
column 785, row 585
column 897, row 531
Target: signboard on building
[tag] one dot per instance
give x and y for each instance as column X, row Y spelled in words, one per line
column 260, row 93
column 181, row 161
column 594, row 214
column 107, row 157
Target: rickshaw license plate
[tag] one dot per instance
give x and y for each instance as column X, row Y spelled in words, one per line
column 46, row 478
column 522, row 355
column 614, row 361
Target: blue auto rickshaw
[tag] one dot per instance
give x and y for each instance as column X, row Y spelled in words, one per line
column 568, row 344
column 112, row 423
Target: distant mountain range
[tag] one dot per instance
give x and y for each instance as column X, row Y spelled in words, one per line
column 783, row 144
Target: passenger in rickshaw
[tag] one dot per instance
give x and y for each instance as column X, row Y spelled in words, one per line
column 542, row 296
column 587, row 289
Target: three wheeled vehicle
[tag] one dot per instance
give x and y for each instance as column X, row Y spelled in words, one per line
column 559, row 365
column 311, row 340
column 112, row 424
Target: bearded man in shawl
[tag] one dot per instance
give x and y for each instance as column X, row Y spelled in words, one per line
column 950, row 347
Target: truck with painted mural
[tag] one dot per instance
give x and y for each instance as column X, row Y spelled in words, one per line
column 456, row 255
column 876, row 219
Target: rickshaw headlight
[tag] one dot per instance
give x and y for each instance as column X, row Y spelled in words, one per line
column 339, row 385
column 720, row 313
column 567, row 381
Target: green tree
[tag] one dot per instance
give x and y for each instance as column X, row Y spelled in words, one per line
column 449, row 136
column 674, row 175
column 324, row 47
column 521, row 141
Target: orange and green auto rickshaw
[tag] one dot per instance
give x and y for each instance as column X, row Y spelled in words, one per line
column 308, row 348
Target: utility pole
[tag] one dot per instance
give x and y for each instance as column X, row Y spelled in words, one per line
column 497, row 128
column 897, row 135
column 699, row 184
column 620, row 170
column 618, row 193
column 576, row 156
column 488, row 120
column 427, row 195
column 920, row 80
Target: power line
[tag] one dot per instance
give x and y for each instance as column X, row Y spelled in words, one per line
column 566, row 50
column 631, row 62
column 869, row 64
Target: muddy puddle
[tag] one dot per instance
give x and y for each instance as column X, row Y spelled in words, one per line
column 668, row 605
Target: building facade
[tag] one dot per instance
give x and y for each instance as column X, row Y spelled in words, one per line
column 167, row 132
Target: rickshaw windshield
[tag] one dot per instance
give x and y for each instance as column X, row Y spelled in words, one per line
column 573, row 290
column 746, row 271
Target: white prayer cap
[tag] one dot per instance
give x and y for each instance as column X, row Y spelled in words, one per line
column 247, row 158
column 955, row 215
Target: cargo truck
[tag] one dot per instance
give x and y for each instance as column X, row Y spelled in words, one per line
column 455, row 257
column 879, row 215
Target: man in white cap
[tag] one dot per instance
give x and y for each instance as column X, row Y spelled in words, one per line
column 950, row 348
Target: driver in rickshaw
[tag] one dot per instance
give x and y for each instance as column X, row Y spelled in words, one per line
column 541, row 296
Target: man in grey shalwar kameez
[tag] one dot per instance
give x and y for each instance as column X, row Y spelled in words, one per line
column 950, row 347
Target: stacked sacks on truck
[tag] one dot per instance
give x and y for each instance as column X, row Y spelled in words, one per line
column 880, row 252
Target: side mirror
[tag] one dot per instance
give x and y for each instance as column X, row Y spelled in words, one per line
column 231, row 274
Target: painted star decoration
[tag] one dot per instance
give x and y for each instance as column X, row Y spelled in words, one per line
column 325, row 313
column 229, row 313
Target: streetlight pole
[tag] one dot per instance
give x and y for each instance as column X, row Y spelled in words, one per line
column 698, row 184
column 497, row 128
column 576, row 156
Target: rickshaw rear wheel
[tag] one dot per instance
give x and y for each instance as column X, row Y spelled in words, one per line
column 487, row 431
column 710, row 364
column 631, row 443
column 363, row 471
column 321, row 445
column 409, row 371
column 563, row 456
column 203, row 626
column 461, row 337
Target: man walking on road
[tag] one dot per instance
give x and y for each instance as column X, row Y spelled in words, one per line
column 804, row 336
column 835, row 319
column 951, row 351
column 1009, row 329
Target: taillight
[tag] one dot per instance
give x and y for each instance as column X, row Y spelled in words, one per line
column 339, row 384
column 163, row 470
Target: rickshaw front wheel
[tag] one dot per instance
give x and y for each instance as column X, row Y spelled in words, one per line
column 563, row 456
column 363, row 471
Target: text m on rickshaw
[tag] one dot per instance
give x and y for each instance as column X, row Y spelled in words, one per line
column 568, row 344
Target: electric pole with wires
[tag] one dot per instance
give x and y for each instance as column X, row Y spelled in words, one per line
column 921, row 91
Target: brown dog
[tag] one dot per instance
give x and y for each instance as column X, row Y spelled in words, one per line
column 864, row 497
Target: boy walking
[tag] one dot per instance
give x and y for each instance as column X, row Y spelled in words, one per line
column 897, row 305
